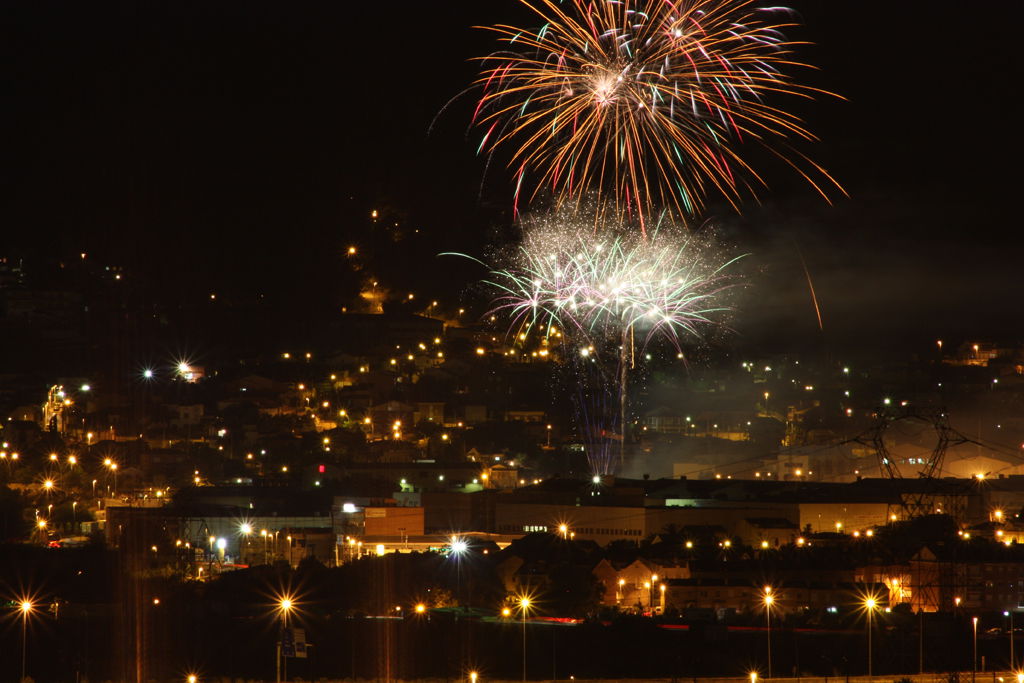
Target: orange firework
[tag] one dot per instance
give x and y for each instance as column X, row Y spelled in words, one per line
column 638, row 104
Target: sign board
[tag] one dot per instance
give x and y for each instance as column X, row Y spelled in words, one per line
column 287, row 642
column 293, row 642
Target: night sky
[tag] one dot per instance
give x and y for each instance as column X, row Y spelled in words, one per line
column 238, row 148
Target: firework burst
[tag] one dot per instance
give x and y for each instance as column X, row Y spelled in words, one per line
column 646, row 102
column 595, row 288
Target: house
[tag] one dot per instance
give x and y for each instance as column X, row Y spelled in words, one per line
column 638, row 584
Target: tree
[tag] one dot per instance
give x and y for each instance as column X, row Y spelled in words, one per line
column 12, row 518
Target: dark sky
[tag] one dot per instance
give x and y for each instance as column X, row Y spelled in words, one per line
column 239, row 146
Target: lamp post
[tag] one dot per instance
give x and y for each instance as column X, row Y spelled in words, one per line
column 524, row 604
column 458, row 549
column 26, row 608
column 769, row 600
column 245, row 531
column 1009, row 613
column 974, row 650
column 284, row 606
column 870, row 604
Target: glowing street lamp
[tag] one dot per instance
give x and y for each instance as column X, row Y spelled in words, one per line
column 524, row 605
column 25, row 608
column 768, row 600
column 974, row 651
column 285, row 604
column 870, row 604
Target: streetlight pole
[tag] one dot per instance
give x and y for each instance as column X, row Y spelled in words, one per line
column 974, row 651
column 769, row 600
column 284, row 606
column 1009, row 613
column 524, row 603
column 869, row 604
column 26, row 608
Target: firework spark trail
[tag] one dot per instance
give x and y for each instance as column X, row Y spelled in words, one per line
column 597, row 415
column 649, row 99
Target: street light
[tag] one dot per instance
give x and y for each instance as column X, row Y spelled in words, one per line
column 524, row 605
column 870, row 604
column 459, row 547
column 26, row 608
column 1008, row 613
column 974, row 652
column 768, row 601
column 285, row 604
